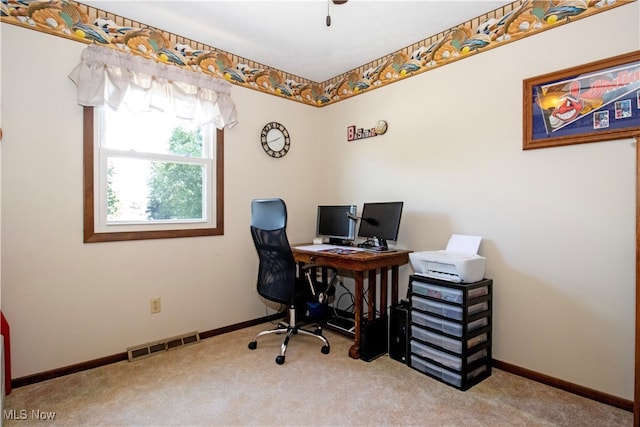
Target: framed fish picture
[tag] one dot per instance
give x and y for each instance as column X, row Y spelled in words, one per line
column 598, row 101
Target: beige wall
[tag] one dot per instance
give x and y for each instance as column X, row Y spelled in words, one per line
column 558, row 224
column 70, row 302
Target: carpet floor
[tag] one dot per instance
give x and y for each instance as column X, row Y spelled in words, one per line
column 220, row 382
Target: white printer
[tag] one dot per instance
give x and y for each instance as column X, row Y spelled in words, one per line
column 459, row 262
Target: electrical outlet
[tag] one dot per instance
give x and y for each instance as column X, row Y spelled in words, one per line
column 155, row 305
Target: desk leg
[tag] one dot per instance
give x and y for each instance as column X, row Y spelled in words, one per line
column 384, row 281
column 394, row 285
column 354, row 351
column 371, row 294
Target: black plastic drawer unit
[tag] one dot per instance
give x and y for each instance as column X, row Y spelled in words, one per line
column 450, row 330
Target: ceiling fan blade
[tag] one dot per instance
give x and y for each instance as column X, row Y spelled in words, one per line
column 339, row 1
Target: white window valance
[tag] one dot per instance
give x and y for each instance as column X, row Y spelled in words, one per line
column 107, row 76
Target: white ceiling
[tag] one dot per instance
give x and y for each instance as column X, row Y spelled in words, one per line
column 292, row 36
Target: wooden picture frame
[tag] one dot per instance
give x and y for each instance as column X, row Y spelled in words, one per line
column 593, row 102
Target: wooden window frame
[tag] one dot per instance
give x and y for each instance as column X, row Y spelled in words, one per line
column 91, row 236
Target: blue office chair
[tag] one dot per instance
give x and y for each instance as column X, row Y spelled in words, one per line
column 277, row 272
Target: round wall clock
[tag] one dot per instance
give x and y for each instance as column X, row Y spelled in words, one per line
column 275, row 139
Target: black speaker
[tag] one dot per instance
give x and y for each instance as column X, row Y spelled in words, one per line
column 399, row 332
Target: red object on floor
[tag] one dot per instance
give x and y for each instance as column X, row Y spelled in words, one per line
column 6, row 335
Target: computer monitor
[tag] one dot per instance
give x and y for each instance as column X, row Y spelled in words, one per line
column 381, row 221
column 336, row 223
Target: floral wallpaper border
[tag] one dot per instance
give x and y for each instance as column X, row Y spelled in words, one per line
column 507, row 24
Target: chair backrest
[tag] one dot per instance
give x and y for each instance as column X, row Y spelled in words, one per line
column 268, row 214
column 277, row 268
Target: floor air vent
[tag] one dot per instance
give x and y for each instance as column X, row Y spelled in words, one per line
column 149, row 349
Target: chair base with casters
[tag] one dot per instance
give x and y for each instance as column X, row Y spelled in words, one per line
column 290, row 329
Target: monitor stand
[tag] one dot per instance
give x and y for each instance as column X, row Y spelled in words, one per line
column 382, row 243
column 375, row 244
column 339, row 242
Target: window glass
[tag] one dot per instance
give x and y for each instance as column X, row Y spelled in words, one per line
column 140, row 190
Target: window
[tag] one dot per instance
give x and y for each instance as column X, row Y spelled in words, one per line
column 150, row 176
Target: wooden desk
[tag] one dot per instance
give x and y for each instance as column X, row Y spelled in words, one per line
column 360, row 263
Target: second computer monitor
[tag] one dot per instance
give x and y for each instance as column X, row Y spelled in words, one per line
column 336, row 222
column 381, row 221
